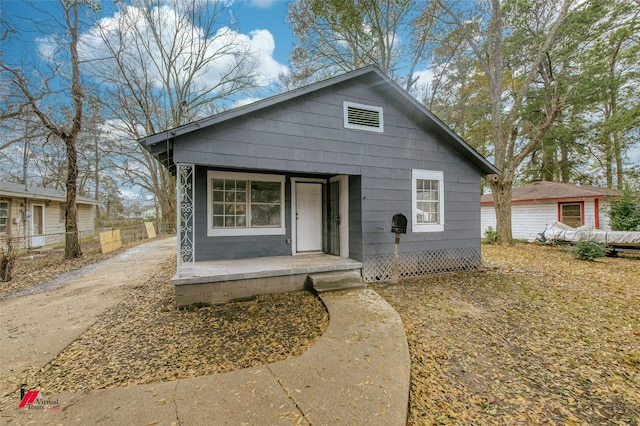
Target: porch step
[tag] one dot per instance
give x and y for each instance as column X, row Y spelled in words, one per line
column 334, row 281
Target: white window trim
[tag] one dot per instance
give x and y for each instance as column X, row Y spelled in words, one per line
column 428, row 175
column 8, row 221
column 221, row 232
column 347, row 125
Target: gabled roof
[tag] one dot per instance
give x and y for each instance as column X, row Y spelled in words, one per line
column 161, row 144
column 16, row 190
column 553, row 191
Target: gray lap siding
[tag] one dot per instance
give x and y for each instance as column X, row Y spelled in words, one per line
column 306, row 136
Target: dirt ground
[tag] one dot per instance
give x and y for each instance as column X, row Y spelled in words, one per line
column 40, row 266
column 536, row 337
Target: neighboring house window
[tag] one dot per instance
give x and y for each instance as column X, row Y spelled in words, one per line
column 4, row 216
column 245, row 204
column 428, row 201
column 571, row 214
column 363, row 117
column 63, row 212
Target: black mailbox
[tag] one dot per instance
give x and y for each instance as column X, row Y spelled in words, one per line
column 399, row 224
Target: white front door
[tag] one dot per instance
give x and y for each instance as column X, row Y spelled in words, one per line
column 37, row 225
column 308, row 217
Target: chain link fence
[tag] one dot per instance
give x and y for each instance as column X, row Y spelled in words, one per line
column 89, row 240
column 14, row 246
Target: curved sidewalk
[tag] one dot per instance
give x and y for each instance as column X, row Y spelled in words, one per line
column 357, row 372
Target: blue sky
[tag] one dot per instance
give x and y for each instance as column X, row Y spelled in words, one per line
column 249, row 15
column 270, row 15
column 260, row 21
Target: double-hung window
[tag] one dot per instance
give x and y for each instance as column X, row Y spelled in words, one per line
column 245, row 204
column 428, row 201
column 4, row 216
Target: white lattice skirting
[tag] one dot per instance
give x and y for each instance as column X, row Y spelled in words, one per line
column 378, row 267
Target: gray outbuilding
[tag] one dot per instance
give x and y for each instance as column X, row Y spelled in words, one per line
column 322, row 170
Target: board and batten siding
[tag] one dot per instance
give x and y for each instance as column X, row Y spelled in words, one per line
column 305, row 136
column 530, row 219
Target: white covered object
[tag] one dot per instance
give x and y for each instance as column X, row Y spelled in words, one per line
column 565, row 233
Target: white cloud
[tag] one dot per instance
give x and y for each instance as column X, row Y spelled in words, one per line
column 245, row 101
column 47, row 47
column 424, row 76
column 263, row 46
column 262, row 4
column 222, row 47
column 421, row 88
column 128, row 194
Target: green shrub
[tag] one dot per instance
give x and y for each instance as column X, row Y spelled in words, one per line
column 624, row 212
column 588, row 250
column 490, row 236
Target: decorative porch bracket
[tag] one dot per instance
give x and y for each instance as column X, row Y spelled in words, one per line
column 186, row 237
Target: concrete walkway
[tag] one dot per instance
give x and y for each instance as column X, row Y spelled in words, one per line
column 356, row 373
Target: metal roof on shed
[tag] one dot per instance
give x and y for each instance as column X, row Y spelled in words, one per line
column 17, row 190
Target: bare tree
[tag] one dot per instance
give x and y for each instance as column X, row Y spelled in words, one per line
column 337, row 36
column 165, row 66
column 64, row 71
column 506, row 98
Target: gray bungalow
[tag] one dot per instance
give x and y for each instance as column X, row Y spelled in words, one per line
column 314, row 176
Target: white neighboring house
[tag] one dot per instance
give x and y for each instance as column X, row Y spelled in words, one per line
column 541, row 204
column 149, row 213
column 37, row 215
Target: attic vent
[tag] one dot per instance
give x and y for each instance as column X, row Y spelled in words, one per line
column 363, row 117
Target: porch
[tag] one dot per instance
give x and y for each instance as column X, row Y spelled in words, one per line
column 224, row 281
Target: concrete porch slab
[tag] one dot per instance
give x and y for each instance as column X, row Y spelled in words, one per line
column 272, row 266
column 228, row 280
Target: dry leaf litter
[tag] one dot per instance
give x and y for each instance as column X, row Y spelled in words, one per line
column 535, row 337
column 146, row 339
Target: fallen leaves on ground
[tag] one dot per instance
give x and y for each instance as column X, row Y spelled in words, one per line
column 146, row 339
column 534, row 337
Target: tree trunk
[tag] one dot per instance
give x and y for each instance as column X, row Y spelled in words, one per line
column 72, row 241
column 97, row 171
column 608, row 158
column 617, row 150
column 502, row 203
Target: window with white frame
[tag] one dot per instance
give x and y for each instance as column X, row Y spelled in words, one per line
column 4, row 216
column 428, row 201
column 245, row 204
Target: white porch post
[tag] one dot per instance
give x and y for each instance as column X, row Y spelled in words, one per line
column 185, row 218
